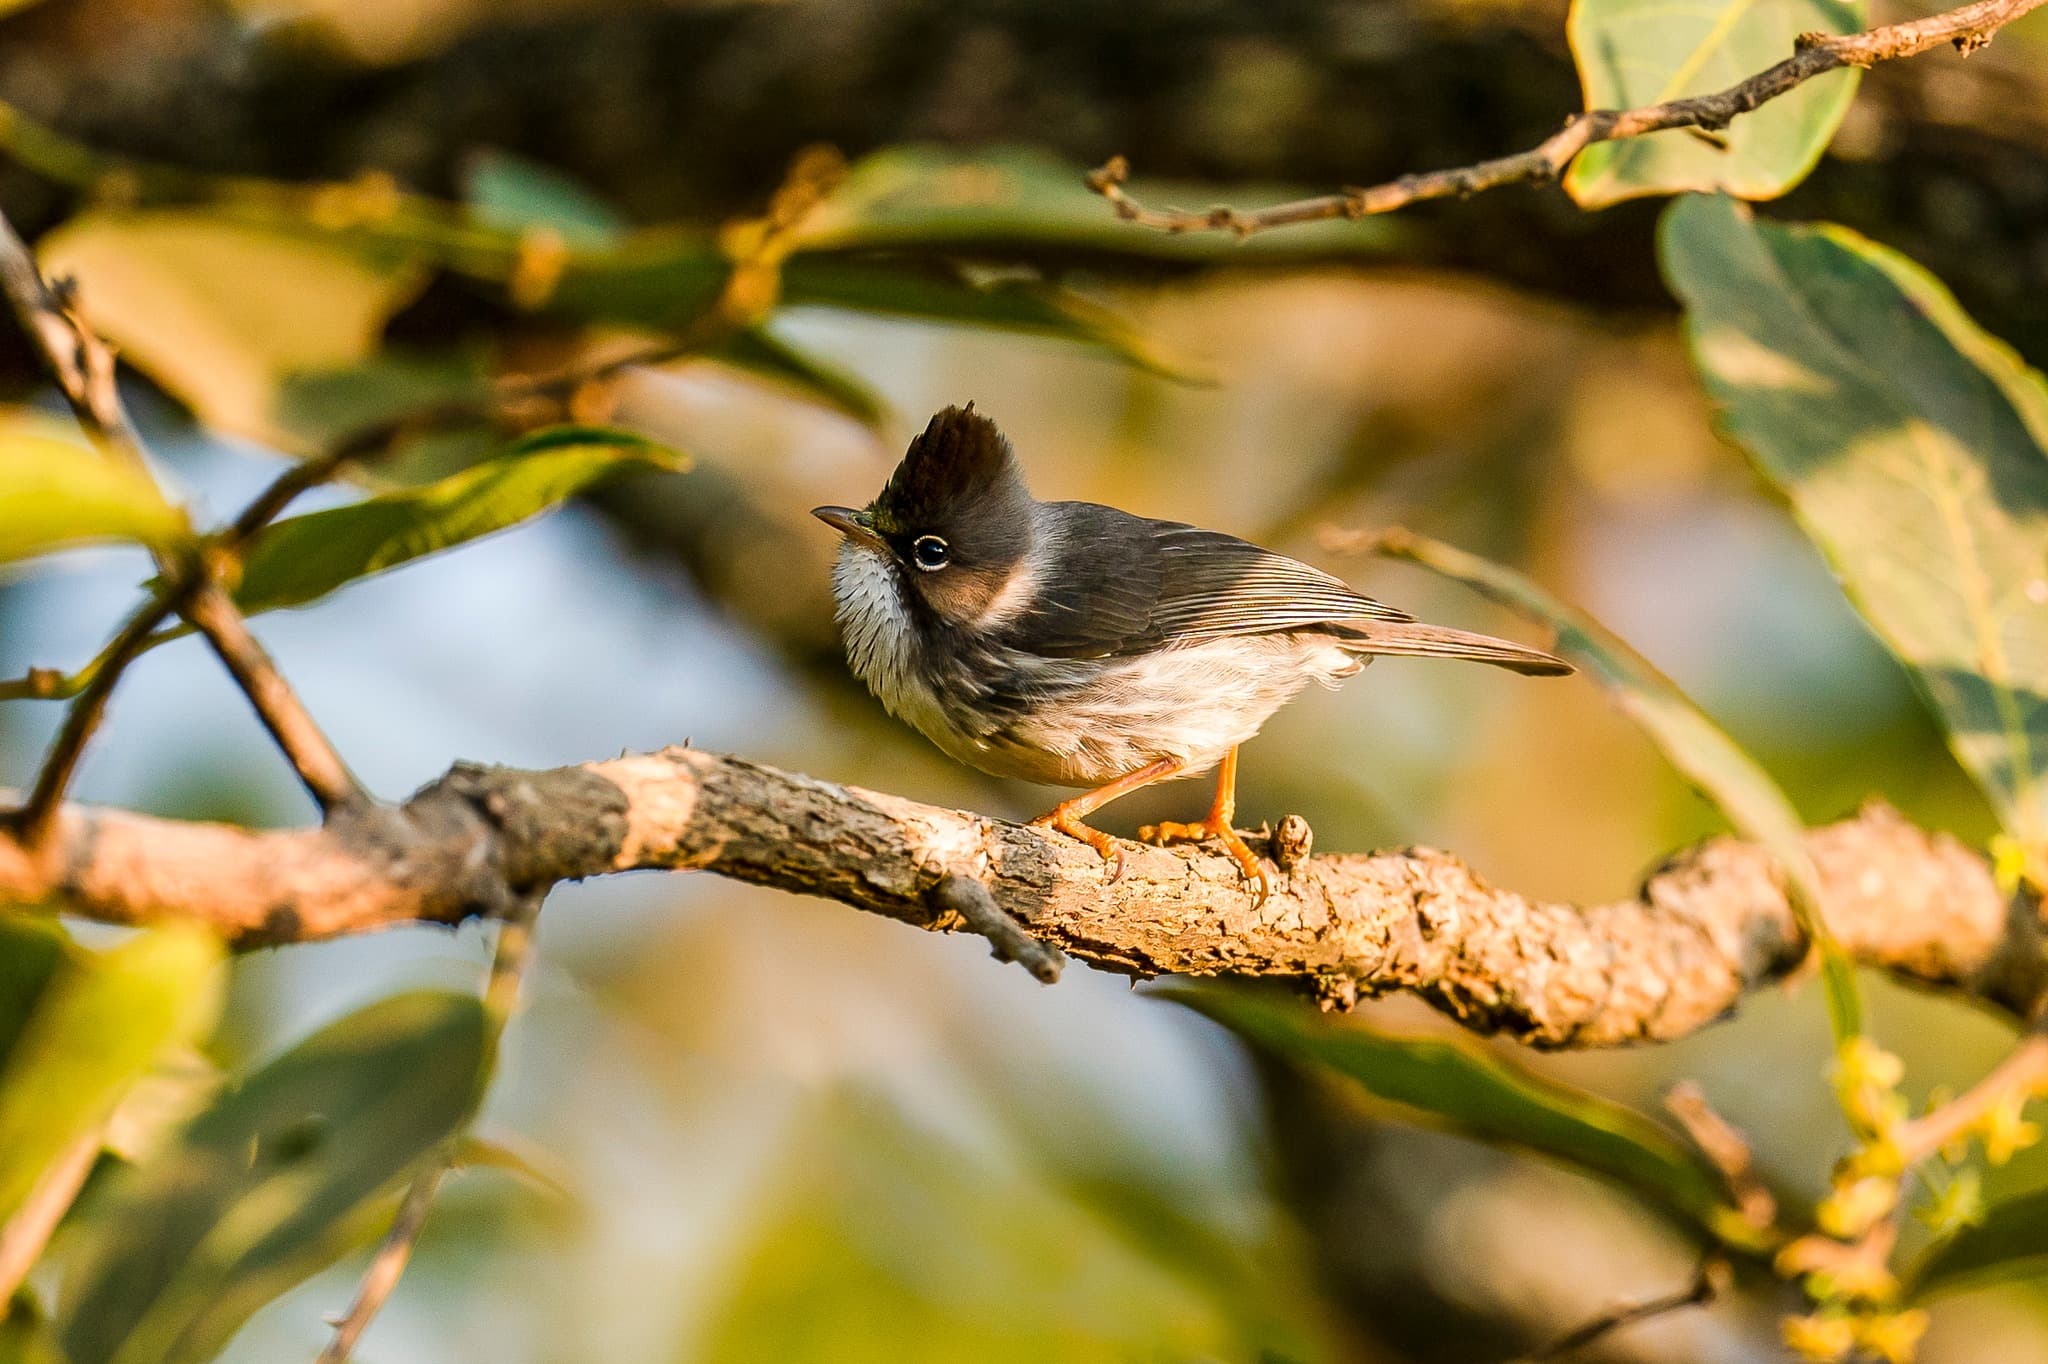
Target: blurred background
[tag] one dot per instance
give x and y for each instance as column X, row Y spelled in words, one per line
column 788, row 1131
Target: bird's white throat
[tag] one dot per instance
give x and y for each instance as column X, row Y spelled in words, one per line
column 881, row 638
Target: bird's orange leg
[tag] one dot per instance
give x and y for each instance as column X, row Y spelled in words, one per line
column 1219, row 826
column 1066, row 817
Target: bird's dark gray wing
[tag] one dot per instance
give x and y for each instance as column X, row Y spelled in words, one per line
column 1121, row 584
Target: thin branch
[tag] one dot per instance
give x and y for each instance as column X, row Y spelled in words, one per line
column 33, row 820
column 1967, row 29
column 388, row 1265
column 977, row 908
column 1709, row 925
column 1726, row 1148
column 1709, row 1281
column 320, row 767
column 2022, row 1072
column 509, row 961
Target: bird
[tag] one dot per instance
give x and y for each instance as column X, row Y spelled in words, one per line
column 1073, row 644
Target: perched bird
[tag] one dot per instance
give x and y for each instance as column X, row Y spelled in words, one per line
column 1078, row 645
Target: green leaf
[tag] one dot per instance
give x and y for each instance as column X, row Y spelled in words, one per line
column 1637, row 52
column 98, row 1027
column 1461, row 1086
column 32, row 947
column 1691, row 742
column 668, row 278
column 514, row 194
column 1020, row 202
column 2009, row 1245
column 257, row 1193
column 927, row 291
column 321, row 408
column 760, row 352
column 303, row 558
column 219, row 312
column 55, row 493
column 1914, row 451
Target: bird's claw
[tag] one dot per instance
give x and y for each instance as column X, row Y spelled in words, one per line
column 1104, row 845
column 1248, row 864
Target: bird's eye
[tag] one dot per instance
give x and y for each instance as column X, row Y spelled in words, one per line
column 929, row 553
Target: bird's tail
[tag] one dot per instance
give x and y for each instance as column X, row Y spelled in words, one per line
column 1415, row 640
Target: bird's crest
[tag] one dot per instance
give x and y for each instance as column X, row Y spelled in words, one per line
column 962, row 460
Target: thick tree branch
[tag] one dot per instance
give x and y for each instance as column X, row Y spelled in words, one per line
column 1967, row 28
column 1707, row 926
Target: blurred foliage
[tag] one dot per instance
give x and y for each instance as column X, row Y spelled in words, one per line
column 506, row 339
column 267, row 1184
column 54, row 493
column 100, row 1022
column 855, row 1263
column 1461, row 1085
column 2009, row 1242
column 1914, row 449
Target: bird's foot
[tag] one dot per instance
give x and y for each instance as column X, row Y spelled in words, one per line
column 1062, row 820
column 1173, row 831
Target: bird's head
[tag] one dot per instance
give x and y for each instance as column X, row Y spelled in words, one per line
column 954, row 525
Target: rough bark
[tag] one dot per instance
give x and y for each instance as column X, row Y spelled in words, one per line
column 1707, row 926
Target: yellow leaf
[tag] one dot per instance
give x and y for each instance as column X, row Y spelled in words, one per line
column 220, row 313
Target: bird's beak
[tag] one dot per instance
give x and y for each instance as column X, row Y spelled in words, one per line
column 857, row 526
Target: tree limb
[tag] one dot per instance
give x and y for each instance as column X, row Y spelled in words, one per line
column 1967, row 28
column 1708, row 925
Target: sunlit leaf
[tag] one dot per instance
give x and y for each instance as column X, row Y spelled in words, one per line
column 303, row 558
column 176, row 1253
column 55, row 493
column 219, row 312
column 2009, row 1245
column 1914, row 451
column 761, row 353
column 97, row 1028
column 1691, row 742
column 1636, row 52
column 513, row 193
column 1460, row 1085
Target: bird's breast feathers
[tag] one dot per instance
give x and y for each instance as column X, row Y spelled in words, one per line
column 1075, row 722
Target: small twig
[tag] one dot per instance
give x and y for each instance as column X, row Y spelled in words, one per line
column 388, row 1265
column 1008, row 939
column 1967, row 28
column 1709, row 1281
column 2024, row 1071
column 509, row 961
column 37, row 814
column 1727, row 1149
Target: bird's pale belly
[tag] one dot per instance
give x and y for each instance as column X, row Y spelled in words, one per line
column 1073, row 722
column 1085, row 723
